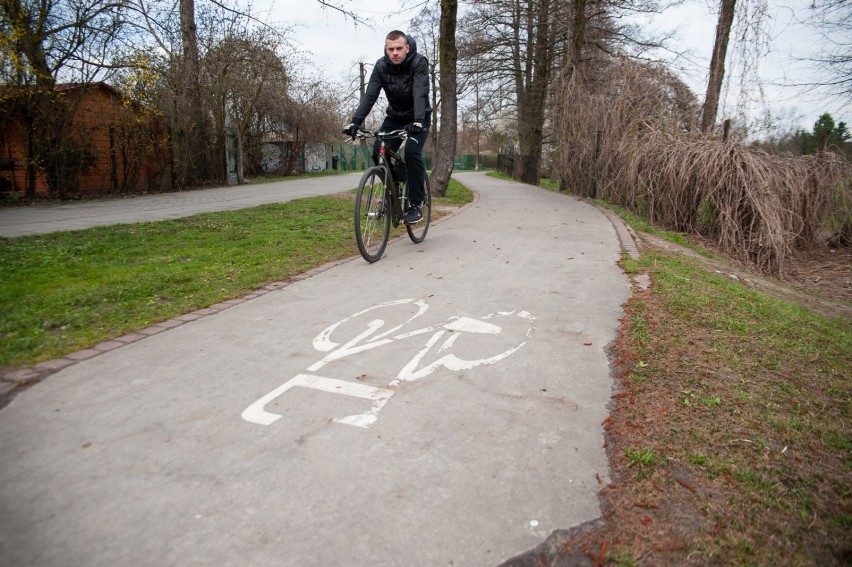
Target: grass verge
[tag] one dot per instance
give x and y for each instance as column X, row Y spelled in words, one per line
column 729, row 438
column 67, row 291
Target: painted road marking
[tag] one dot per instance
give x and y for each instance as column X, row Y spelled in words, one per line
column 256, row 413
column 373, row 337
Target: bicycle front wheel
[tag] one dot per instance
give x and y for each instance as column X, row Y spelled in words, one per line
column 417, row 232
column 372, row 215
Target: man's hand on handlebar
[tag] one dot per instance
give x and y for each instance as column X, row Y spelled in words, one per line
column 351, row 130
column 414, row 128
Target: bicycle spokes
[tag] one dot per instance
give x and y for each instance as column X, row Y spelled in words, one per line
column 372, row 219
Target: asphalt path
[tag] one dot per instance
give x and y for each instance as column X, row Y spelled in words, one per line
column 442, row 406
column 45, row 218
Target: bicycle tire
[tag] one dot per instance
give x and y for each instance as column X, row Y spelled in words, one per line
column 417, row 232
column 372, row 214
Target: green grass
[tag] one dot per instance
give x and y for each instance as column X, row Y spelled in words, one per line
column 457, row 195
column 544, row 182
column 753, row 394
column 641, row 457
column 500, row 175
column 66, row 291
column 550, row 184
column 641, row 224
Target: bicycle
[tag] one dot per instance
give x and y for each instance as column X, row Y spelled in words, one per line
column 382, row 199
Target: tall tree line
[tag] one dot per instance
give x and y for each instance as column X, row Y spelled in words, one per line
column 228, row 79
column 519, row 52
column 193, row 67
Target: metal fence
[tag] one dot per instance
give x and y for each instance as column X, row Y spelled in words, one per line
column 356, row 157
column 352, row 157
column 468, row 162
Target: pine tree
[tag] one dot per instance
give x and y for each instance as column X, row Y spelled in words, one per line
column 825, row 135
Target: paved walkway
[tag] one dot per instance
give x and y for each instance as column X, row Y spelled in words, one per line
column 40, row 219
column 440, row 407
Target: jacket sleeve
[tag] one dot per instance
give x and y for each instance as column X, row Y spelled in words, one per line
column 420, row 89
column 371, row 94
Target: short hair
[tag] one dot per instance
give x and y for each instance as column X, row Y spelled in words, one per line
column 396, row 34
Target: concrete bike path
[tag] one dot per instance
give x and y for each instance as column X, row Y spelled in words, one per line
column 40, row 219
column 440, row 407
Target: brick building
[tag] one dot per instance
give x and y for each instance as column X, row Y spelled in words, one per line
column 115, row 149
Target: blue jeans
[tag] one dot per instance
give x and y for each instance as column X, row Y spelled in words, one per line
column 413, row 156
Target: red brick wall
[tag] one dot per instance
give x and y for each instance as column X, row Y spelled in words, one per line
column 112, row 134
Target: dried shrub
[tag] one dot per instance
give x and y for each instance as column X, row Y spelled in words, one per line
column 628, row 136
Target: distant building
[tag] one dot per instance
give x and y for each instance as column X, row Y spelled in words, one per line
column 116, row 149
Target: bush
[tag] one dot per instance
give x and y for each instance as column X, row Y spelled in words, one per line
column 629, row 136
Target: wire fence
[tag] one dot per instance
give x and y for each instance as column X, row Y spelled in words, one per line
column 352, row 157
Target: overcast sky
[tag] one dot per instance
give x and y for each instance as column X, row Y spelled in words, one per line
column 336, row 45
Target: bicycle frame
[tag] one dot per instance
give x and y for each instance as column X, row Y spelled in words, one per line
column 397, row 190
column 382, row 201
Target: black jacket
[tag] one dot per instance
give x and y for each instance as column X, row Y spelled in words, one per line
column 406, row 87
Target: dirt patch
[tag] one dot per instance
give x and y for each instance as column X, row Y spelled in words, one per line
column 826, row 271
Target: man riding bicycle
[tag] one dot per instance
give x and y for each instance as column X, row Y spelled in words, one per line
column 404, row 75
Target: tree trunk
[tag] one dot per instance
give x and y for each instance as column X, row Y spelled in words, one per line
column 443, row 165
column 578, row 35
column 193, row 159
column 571, row 60
column 436, row 132
column 39, row 106
column 717, row 65
column 532, row 94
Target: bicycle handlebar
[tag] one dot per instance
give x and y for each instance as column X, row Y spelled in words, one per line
column 364, row 134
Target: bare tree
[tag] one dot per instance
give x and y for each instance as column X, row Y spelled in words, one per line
column 42, row 43
column 45, row 42
column 339, row 7
column 489, row 101
column 514, row 42
column 173, row 29
column 215, row 62
column 238, row 73
column 192, row 162
column 425, row 28
column 312, row 116
column 833, row 20
column 527, row 48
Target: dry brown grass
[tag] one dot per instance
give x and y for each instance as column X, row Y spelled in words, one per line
column 629, row 137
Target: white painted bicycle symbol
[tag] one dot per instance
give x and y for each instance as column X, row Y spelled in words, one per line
column 494, row 329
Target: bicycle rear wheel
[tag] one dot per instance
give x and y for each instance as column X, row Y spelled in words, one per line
column 372, row 215
column 417, row 232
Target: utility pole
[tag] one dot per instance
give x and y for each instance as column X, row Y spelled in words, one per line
column 478, row 135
